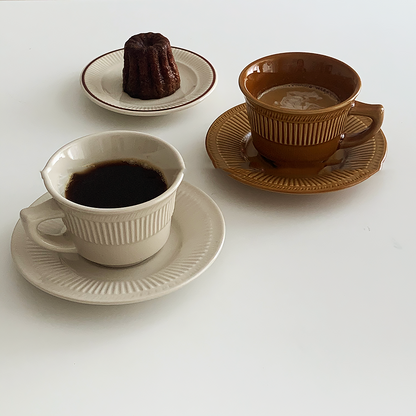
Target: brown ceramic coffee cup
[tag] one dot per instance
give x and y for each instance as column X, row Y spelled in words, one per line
column 296, row 137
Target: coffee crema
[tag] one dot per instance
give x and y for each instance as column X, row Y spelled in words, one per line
column 299, row 97
column 116, row 184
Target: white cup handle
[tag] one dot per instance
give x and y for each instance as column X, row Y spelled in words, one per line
column 31, row 218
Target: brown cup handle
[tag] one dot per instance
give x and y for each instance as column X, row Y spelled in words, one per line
column 375, row 112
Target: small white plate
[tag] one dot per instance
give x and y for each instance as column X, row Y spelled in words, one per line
column 102, row 81
column 196, row 238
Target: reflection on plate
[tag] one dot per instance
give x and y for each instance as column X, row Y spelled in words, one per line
column 230, row 147
column 102, row 81
column 195, row 241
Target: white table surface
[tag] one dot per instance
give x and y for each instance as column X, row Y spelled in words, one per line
column 310, row 308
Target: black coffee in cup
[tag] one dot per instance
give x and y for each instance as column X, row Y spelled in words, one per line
column 116, row 184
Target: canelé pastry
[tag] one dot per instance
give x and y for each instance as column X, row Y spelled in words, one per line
column 150, row 70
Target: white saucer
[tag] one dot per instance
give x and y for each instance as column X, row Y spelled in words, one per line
column 196, row 238
column 102, row 80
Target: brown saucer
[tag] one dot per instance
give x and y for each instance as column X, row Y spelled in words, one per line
column 229, row 145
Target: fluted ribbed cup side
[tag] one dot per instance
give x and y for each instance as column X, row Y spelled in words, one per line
column 296, row 130
column 120, row 229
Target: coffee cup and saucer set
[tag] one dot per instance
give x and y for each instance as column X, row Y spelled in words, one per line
column 301, row 129
column 87, row 240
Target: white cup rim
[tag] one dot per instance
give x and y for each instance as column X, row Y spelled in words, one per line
column 106, row 211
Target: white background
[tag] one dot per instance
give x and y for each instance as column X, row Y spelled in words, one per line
column 310, row 308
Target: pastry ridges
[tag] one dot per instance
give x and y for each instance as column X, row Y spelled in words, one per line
column 150, row 70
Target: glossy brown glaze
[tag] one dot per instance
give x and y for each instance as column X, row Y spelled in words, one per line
column 229, row 144
column 297, row 136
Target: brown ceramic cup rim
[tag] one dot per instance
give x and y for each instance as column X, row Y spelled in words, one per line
column 286, row 56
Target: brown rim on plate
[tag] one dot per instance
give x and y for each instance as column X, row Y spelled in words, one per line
column 229, row 146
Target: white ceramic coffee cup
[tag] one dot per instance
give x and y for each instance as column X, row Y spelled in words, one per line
column 108, row 236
